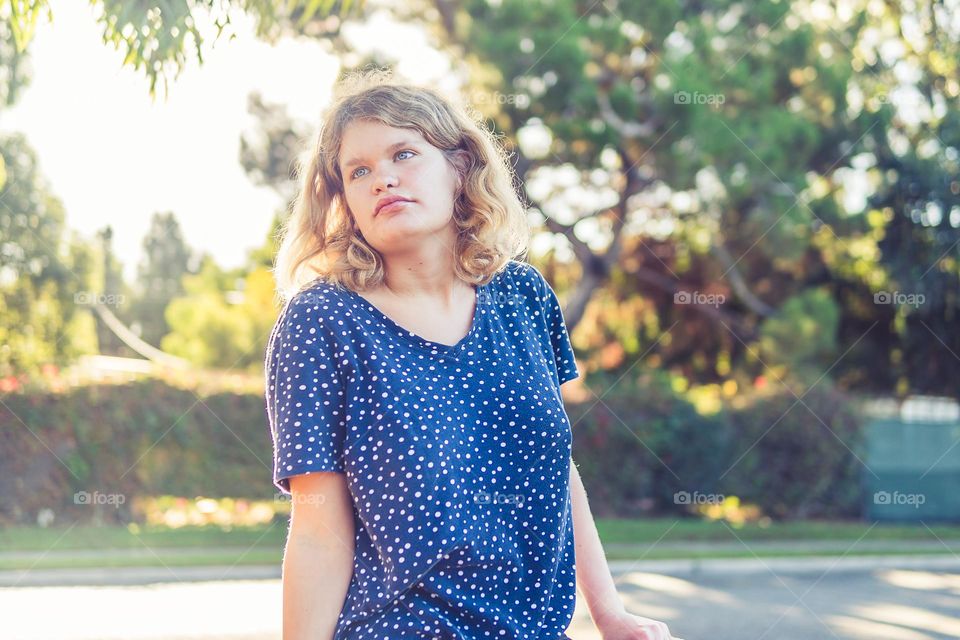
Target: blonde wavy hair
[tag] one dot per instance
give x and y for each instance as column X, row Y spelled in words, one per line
column 320, row 237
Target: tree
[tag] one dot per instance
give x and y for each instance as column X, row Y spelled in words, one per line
column 114, row 295
column 721, row 145
column 12, row 59
column 166, row 260
column 695, row 131
column 719, row 150
column 156, row 36
column 916, row 207
column 45, row 274
column 221, row 320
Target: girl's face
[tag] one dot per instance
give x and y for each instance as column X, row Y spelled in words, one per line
column 378, row 161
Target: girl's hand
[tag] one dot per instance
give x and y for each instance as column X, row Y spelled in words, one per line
column 626, row 626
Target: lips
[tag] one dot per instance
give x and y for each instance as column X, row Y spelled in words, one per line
column 383, row 202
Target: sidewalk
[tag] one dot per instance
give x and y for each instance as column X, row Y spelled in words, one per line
column 916, row 601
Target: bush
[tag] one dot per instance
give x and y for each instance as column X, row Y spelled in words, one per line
column 636, row 448
column 642, row 443
column 798, row 459
column 143, row 438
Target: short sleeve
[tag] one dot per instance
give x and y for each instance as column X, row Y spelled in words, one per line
column 564, row 358
column 304, row 394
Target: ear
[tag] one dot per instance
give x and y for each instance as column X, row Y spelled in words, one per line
column 460, row 159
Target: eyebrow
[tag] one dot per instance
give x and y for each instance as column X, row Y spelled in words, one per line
column 396, row 145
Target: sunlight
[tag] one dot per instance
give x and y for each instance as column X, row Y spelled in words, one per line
column 243, row 608
column 923, row 580
column 911, row 617
column 673, row 586
column 857, row 628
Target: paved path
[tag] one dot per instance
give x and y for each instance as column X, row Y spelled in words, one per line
column 910, row 598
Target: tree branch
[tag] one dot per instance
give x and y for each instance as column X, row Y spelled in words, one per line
column 738, row 284
column 627, row 129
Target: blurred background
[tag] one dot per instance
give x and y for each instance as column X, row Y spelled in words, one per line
column 750, row 211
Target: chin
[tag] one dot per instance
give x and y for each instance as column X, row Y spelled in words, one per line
column 412, row 230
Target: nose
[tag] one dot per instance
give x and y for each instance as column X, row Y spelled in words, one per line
column 383, row 180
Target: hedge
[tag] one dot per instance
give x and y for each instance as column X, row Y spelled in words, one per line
column 636, row 447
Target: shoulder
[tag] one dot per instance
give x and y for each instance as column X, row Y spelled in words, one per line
column 524, row 278
column 313, row 315
column 319, row 302
column 522, row 286
column 309, row 327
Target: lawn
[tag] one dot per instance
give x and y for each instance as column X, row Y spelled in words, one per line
column 117, row 546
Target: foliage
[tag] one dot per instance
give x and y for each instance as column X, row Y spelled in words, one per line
column 224, row 319
column 155, row 37
column 166, row 260
column 145, row 438
column 777, row 160
column 636, row 440
column 44, row 271
column 787, row 163
column 803, row 335
column 637, row 443
column 732, row 152
column 798, row 454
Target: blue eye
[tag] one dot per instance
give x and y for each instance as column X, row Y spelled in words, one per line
column 354, row 174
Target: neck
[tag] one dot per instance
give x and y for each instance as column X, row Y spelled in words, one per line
column 426, row 272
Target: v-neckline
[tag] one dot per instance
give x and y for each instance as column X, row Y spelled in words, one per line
column 418, row 340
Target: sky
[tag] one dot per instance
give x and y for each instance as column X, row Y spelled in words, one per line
column 114, row 156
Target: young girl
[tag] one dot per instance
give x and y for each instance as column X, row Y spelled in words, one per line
column 413, row 392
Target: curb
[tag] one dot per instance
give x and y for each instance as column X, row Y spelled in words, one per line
column 725, row 567
column 130, row 576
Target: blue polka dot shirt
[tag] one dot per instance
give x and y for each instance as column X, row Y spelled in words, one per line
column 457, row 457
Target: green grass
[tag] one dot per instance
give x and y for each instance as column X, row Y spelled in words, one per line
column 243, row 557
column 118, row 537
column 651, row 539
column 611, row 531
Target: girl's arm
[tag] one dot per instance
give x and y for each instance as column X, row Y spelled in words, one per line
column 595, row 581
column 593, row 574
column 318, row 559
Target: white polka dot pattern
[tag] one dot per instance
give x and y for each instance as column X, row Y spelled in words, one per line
column 456, row 456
